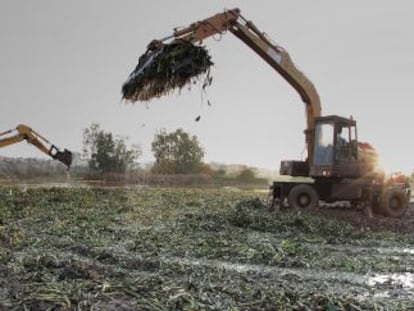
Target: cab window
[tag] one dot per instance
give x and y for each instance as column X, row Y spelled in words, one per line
column 324, row 141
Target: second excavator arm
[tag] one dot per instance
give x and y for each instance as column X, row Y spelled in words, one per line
column 277, row 57
column 24, row 132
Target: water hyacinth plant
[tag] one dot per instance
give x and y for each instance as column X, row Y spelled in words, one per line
column 166, row 67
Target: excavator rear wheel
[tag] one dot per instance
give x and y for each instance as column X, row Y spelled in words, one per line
column 303, row 196
column 394, row 203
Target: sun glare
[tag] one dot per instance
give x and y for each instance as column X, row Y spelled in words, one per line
column 395, row 166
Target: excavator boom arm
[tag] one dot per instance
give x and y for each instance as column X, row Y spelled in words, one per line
column 10, row 140
column 277, row 57
column 26, row 133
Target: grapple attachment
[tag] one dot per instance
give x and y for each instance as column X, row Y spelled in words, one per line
column 165, row 67
column 64, row 156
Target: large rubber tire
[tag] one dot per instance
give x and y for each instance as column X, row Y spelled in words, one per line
column 394, row 203
column 303, row 196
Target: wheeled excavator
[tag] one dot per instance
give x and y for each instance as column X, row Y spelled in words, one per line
column 23, row 132
column 340, row 167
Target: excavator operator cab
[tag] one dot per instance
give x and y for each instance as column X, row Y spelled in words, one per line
column 335, row 148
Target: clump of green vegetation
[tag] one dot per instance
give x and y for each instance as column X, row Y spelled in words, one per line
column 165, row 67
column 255, row 214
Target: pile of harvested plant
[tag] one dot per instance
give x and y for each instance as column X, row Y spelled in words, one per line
column 189, row 249
column 165, row 67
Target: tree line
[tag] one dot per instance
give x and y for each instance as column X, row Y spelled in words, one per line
column 175, row 152
column 179, row 159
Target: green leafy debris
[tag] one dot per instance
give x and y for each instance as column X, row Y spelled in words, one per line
column 190, row 249
column 165, row 67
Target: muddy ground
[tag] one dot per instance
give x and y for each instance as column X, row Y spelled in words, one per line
column 186, row 249
column 358, row 219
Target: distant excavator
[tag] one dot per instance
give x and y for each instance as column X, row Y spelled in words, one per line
column 23, row 132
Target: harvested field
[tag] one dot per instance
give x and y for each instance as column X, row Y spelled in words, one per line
column 186, row 249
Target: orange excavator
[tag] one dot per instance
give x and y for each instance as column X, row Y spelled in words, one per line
column 340, row 168
column 23, row 132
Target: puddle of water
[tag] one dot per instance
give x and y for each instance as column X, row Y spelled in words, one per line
column 401, row 283
column 405, row 280
column 310, row 274
column 397, row 250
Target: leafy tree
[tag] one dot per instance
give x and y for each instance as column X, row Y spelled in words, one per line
column 246, row 175
column 206, row 170
column 220, row 173
column 106, row 153
column 176, row 153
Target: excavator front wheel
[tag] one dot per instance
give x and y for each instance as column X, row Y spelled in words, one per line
column 394, row 203
column 303, row 196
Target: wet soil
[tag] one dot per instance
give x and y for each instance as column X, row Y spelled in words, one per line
column 193, row 249
column 359, row 219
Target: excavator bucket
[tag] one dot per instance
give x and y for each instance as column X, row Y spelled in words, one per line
column 64, row 156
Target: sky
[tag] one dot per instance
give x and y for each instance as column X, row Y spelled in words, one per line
column 63, row 64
